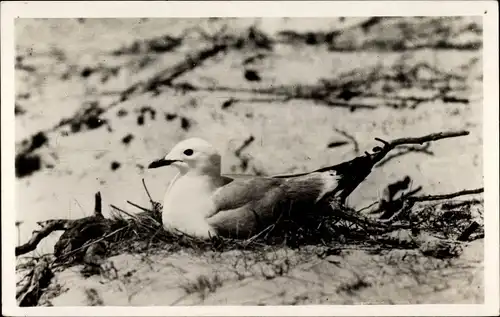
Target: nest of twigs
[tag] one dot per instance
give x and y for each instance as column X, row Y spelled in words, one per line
column 331, row 223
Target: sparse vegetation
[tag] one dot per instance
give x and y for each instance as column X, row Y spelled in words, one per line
column 202, row 285
column 93, row 297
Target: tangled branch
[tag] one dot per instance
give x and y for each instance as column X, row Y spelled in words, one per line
column 47, row 228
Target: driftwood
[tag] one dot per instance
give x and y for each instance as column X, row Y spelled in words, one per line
column 66, row 225
column 78, row 242
column 359, row 168
column 47, row 228
column 40, row 278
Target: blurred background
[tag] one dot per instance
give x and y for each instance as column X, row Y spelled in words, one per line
column 98, row 99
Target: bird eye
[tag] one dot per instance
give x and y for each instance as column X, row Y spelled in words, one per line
column 188, row 152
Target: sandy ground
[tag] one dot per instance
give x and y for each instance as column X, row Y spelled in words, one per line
column 290, row 136
column 394, row 277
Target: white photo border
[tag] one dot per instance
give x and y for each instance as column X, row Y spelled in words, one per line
column 158, row 9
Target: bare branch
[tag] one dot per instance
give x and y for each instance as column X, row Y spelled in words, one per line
column 137, row 206
column 409, row 201
column 166, row 77
column 406, row 150
column 383, row 141
column 123, row 211
column 98, row 205
column 411, row 192
column 62, row 224
column 48, row 227
column 351, row 138
column 368, row 207
column 388, row 146
column 147, row 192
column 245, row 144
column 447, row 196
column 343, row 104
column 428, row 138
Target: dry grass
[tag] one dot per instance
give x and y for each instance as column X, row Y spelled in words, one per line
column 202, row 285
column 143, row 232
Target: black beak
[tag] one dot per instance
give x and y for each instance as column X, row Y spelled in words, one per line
column 160, row 163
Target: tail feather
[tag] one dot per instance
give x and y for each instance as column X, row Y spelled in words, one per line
column 349, row 174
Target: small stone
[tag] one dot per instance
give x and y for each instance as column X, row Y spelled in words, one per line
column 185, row 124
column 127, row 139
column 115, row 165
column 252, row 75
column 140, row 120
column 170, row 116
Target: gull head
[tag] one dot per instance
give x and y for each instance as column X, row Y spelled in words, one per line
column 193, row 155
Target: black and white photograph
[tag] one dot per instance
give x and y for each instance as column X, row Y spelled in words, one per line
column 214, row 161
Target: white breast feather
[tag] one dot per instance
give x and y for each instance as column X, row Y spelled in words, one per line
column 186, row 206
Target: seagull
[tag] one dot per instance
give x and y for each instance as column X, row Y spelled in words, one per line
column 203, row 203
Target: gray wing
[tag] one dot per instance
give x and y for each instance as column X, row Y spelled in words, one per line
column 244, row 206
column 242, row 191
column 249, row 204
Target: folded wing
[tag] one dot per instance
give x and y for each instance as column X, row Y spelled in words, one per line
column 245, row 206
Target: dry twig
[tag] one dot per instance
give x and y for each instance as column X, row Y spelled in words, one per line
column 405, row 150
column 351, row 138
column 47, row 228
column 410, row 201
column 447, row 196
